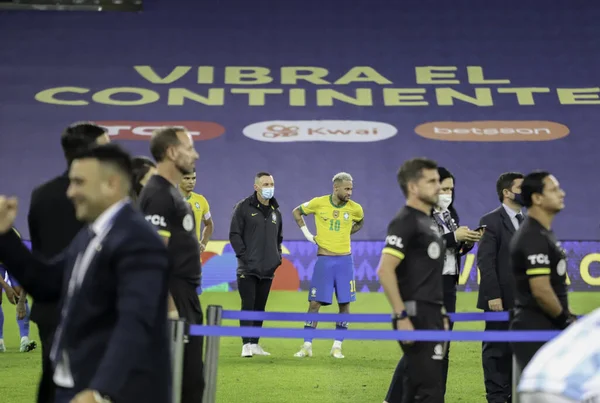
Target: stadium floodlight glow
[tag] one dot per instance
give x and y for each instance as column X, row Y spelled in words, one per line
column 72, row 5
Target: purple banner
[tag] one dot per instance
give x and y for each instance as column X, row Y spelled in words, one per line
column 219, row 266
column 219, row 263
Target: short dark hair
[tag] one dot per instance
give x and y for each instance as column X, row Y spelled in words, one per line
column 445, row 174
column 162, row 139
column 505, row 181
column 140, row 166
column 412, row 170
column 261, row 174
column 78, row 136
column 111, row 154
column 533, row 183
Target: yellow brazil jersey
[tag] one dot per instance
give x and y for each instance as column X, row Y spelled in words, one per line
column 201, row 210
column 333, row 223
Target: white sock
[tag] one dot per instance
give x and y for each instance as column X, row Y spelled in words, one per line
column 24, row 338
column 337, row 344
column 307, row 344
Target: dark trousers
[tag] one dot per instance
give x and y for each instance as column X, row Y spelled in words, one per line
column 395, row 390
column 528, row 320
column 188, row 305
column 496, row 359
column 45, row 317
column 419, row 375
column 254, row 293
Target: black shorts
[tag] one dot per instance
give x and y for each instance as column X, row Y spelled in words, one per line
column 528, row 319
column 423, row 377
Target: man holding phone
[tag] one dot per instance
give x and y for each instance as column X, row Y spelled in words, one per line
column 497, row 285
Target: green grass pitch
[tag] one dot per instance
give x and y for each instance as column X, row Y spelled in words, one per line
column 362, row 377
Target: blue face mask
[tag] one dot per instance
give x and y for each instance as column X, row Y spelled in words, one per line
column 267, row 193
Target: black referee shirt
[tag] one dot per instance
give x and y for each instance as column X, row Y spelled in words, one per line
column 414, row 238
column 165, row 208
column 534, row 251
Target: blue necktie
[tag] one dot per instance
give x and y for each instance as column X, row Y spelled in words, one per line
column 57, row 344
column 520, row 218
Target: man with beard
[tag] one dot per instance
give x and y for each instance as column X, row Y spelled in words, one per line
column 336, row 219
column 410, row 272
column 164, row 207
column 496, row 288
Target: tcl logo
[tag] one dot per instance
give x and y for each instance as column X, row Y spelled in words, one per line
column 540, row 258
column 128, row 130
column 394, row 240
column 156, row 220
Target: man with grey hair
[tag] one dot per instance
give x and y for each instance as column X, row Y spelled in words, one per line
column 336, row 218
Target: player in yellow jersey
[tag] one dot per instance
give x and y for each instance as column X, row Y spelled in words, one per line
column 16, row 295
column 200, row 207
column 336, row 218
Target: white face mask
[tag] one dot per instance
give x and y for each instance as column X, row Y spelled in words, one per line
column 444, row 201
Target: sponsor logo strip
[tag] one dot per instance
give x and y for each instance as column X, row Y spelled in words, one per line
column 139, row 130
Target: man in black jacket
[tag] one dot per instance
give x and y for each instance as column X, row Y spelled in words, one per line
column 52, row 227
column 497, row 285
column 255, row 235
column 459, row 240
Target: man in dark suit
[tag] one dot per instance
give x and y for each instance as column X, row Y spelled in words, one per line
column 111, row 343
column 52, row 227
column 496, row 288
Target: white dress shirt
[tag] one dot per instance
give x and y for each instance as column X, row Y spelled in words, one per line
column 512, row 214
column 450, row 260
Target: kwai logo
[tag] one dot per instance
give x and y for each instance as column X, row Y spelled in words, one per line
column 128, row 130
column 493, row 131
column 350, row 131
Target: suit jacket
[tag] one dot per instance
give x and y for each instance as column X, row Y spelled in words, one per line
column 52, row 227
column 493, row 260
column 460, row 248
column 115, row 331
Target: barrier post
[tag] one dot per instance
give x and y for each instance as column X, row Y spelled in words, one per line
column 214, row 317
column 516, row 375
column 177, row 333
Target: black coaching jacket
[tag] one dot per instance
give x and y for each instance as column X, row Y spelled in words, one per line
column 256, row 235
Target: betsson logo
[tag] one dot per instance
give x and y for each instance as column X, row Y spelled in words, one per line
column 493, row 131
column 127, row 130
column 351, row 131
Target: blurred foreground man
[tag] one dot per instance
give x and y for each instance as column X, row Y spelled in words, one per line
column 567, row 368
column 110, row 285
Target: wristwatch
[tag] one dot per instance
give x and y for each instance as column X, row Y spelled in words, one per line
column 399, row 316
